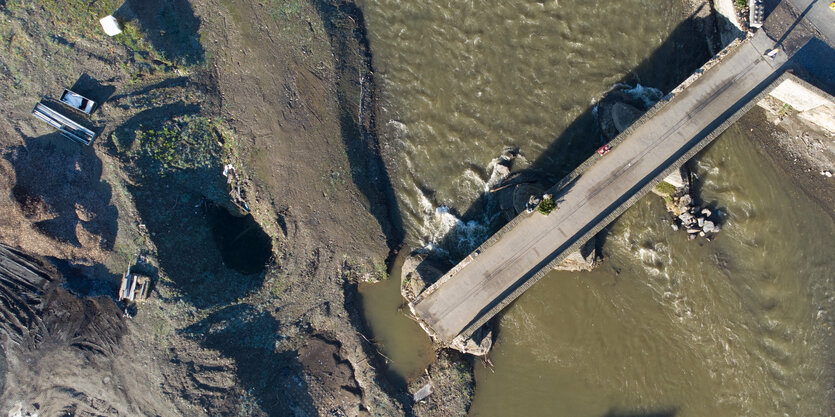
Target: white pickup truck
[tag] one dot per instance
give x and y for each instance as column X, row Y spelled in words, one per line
column 77, row 101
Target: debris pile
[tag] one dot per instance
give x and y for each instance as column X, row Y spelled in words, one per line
column 697, row 221
column 135, row 287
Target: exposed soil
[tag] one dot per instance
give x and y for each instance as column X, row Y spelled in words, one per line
column 252, row 313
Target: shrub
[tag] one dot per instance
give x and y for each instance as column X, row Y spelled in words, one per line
column 183, row 143
column 546, row 206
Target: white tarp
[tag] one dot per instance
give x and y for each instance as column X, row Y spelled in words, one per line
column 73, row 99
column 110, row 25
column 423, row 392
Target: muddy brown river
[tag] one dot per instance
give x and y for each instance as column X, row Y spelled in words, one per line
column 740, row 326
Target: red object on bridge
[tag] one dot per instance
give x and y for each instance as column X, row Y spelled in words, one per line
column 604, row 149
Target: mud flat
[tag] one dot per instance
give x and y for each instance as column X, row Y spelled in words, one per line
column 800, row 150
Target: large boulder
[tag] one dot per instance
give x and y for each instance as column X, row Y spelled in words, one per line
column 623, row 115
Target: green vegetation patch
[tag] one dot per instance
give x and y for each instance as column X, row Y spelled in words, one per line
column 183, row 143
column 142, row 50
column 285, row 8
column 666, row 191
column 785, row 109
column 665, row 188
column 546, row 206
column 71, row 17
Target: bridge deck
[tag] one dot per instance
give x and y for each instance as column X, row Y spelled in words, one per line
column 471, row 293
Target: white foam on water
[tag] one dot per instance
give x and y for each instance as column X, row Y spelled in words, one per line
column 439, row 222
column 496, row 174
column 400, row 128
column 647, row 95
column 471, row 185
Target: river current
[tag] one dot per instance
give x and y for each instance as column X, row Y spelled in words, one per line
column 735, row 327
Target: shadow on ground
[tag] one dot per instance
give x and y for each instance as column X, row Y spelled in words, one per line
column 213, row 256
column 249, row 337
column 345, row 25
column 170, row 26
column 813, row 62
column 87, row 281
column 93, row 89
column 59, row 187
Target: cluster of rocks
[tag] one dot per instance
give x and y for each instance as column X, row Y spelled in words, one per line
column 696, row 221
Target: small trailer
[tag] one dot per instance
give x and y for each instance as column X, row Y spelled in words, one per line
column 77, row 101
column 65, row 126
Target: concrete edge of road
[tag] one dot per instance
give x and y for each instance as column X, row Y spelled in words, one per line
column 473, row 326
column 649, row 114
column 705, row 68
column 809, row 86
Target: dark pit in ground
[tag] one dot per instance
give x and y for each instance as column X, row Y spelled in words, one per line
column 87, row 281
column 244, row 246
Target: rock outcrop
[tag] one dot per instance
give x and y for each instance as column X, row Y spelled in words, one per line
column 696, row 221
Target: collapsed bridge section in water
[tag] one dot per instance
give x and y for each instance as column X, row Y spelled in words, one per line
column 601, row 189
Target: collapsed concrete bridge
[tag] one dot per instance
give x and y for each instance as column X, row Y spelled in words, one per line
column 600, row 190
